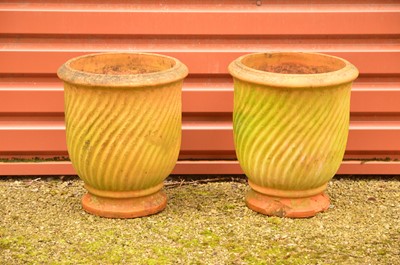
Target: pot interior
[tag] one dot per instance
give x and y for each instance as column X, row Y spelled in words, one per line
column 293, row 63
column 122, row 63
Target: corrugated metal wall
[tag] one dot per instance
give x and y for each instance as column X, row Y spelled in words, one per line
column 38, row 36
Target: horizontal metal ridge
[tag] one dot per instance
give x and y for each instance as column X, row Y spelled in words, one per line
column 224, row 5
column 200, row 22
column 49, row 136
column 204, row 62
column 200, row 95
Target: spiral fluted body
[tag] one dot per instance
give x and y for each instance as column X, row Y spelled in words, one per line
column 290, row 138
column 123, row 139
column 290, row 123
column 123, row 127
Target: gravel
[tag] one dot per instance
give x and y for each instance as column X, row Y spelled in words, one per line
column 205, row 222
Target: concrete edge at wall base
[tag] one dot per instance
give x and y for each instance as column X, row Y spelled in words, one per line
column 197, row 167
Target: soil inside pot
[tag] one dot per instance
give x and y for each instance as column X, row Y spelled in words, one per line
column 121, row 70
column 293, row 68
column 293, row 63
column 122, row 64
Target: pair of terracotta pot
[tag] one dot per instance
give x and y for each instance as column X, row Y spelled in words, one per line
column 123, row 126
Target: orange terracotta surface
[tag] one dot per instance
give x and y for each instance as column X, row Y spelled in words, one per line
column 117, row 208
column 287, row 207
column 123, row 128
column 290, row 123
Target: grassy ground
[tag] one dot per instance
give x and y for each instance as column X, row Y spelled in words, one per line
column 41, row 222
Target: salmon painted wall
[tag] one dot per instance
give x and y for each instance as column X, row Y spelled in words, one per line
column 36, row 37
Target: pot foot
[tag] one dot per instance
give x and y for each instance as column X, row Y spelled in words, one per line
column 124, row 207
column 287, row 207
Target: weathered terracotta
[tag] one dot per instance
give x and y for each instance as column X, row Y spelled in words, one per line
column 291, row 121
column 123, row 126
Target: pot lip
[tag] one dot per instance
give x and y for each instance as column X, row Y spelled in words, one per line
column 70, row 75
column 344, row 75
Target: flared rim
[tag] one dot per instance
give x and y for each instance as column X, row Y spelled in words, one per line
column 69, row 74
column 347, row 72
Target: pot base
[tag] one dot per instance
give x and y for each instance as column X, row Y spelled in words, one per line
column 287, row 207
column 124, row 207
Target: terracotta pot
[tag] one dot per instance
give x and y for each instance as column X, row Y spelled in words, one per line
column 290, row 121
column 123, row 126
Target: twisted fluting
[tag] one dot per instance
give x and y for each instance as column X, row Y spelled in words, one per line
column 123, row 139
column 290, row 138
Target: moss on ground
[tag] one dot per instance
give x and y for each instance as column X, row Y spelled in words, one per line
column 42, row 222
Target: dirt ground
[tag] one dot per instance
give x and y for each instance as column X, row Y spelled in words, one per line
column 205, row 222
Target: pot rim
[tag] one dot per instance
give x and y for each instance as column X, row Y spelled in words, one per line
column 346, row 74
column 70, row 75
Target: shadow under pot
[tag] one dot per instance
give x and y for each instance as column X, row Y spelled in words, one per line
column 290, row 122
column 123, row 128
